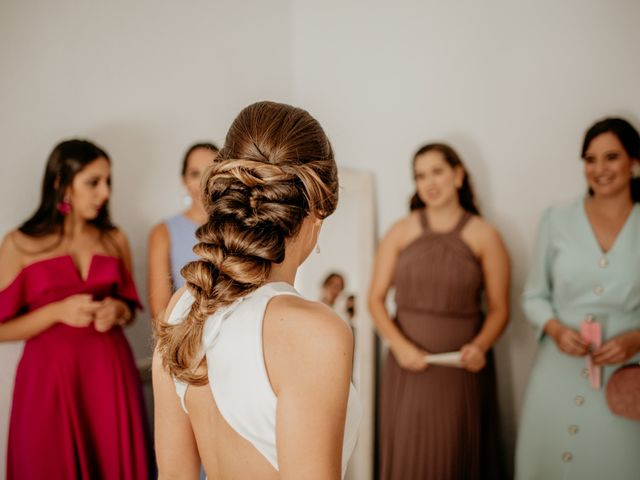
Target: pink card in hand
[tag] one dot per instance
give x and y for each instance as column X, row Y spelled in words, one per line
column 592, row 334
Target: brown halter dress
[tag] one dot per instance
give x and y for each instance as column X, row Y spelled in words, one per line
column 441, row 423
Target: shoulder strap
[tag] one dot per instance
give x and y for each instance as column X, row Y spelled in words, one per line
column 464, row 218
column 424, row 220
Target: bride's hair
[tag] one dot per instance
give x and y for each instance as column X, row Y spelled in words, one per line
column 275, row 169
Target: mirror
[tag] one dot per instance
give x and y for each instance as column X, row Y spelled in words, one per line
column 346, row 248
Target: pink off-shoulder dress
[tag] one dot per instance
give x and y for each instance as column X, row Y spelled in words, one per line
column 77, row 409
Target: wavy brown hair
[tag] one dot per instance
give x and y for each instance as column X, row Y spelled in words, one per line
column 275, row 169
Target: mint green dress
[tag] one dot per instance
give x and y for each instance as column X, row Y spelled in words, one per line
column 566, row 430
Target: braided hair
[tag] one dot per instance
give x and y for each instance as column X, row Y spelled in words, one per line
column 276, row 168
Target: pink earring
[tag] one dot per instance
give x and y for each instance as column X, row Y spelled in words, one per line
column 64, row 206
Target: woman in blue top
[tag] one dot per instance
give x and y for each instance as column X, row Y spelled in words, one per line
column 171, row 242
column 586, row 268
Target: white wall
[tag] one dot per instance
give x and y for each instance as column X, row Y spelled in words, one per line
column 144, row 79
column 511, row 85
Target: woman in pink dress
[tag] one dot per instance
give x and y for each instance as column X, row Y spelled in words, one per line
column 66, row 290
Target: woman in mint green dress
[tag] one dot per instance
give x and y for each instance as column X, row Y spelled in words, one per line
column 587, row 267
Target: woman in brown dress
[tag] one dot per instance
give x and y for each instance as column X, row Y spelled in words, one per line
column 440, row 422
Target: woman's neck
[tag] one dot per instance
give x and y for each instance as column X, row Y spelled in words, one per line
column 284, row 272
column 196, row 214
column 445, row 214
column 611, row 206
column 74, row 226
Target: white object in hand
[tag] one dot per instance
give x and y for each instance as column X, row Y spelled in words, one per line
column 448, row 359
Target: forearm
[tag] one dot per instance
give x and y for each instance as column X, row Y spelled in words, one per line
column 552, row 327
column 385, row 326
column 29, row 325
column 494, row 324
column 159, row 296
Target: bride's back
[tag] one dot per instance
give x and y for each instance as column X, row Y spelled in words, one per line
column 284, row 373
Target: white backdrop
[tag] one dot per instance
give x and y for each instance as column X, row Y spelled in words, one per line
column 511, row 85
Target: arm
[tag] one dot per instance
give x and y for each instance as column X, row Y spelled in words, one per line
column 408, row 355
column 308, row 353
column 496, row 269
column 536, row 298
column 159, row 270
column 176, row 450
column 76, row 310
column 26, row 326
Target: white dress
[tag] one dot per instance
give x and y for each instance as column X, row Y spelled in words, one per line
column 232, row 340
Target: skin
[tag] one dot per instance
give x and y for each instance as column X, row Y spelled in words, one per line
column 607, row 170
column 307, row 354
column 159, row 245
column 437, row 183
column 88, row 192
column 331, row 290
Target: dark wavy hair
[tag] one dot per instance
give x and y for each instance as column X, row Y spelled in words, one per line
column 628, row 137
column 194, row 147
column 465, row 192
column 65, row 161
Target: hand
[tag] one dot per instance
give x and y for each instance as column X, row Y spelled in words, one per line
column 473, row 357
column 77, row 310
column 111, row 312
column 410, row 357
column 567, row 339
column 617, row 350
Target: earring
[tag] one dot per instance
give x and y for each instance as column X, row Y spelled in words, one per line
column 187, row 200
column 64, row 206
column 318, row 248
column 635, row 170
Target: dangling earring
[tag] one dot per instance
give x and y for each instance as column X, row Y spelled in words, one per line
column 318, row 248
column 64, row 206
column 187, row 200
column 635, row 170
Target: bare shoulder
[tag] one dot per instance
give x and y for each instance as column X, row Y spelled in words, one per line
column 159, row 233
column 302, row 340
column 483, row 238
column 119, row 242
column 307, row 323
column 482, row 231
column 119, row 237
column 12, row 259
column 404, row 230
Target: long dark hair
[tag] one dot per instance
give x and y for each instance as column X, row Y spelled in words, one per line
column 465, row 192
column 65, row 161
column 629, row 138
column 194, row 147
